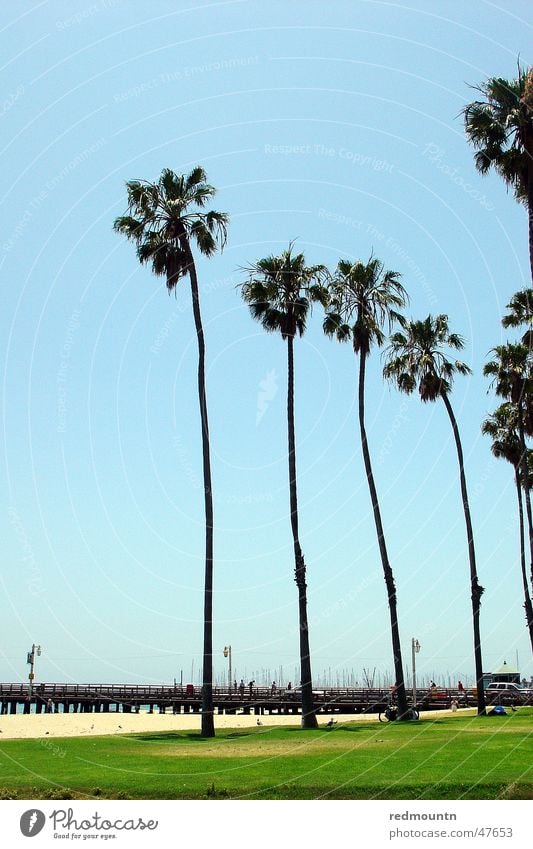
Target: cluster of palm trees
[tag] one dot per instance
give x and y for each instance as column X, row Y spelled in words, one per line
column 362, row 302
column 509, row 426
column 500, row 128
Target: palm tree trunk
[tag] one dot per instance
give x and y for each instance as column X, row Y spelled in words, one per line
column 309, row 719
column 476, row 589
column 528, row 607
column 530, row 222
column 208, row 725
column 387, row 571
column 525, row 479
column 530, row 528
column 526, row 137
column 529, row 154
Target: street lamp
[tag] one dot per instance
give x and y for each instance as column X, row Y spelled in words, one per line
column 227, row 653
column 31, row 661
column 415, row 648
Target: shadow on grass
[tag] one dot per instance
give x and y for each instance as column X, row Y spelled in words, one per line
column 181, row 736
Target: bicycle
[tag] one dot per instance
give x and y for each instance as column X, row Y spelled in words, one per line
column 390, row 714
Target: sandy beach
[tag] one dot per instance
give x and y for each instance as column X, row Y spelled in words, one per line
column 22, row 726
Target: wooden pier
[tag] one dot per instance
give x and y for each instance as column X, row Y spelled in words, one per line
column 130, row 698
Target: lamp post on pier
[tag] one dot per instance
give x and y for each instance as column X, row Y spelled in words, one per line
column 415, row 648
column 31, row 661
column 227, row 653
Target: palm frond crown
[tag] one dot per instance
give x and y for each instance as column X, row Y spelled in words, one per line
column 502, row 427
column 500, row 128
column 164, row 217
column 510, row 370
column 520, row 314
column 417, row 357
column 364, row 298
column 280, row 291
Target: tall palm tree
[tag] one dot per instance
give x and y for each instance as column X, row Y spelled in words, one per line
column 512, row 374
column 365, row 298
column 416, row 357
column 280, row 291
column 500, row 128
column 502, row 427
column 163, row 219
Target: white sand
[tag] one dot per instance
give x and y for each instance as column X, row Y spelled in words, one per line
column 46, row 726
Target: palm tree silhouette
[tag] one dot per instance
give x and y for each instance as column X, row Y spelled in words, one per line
column 162, row 220
column 280, row 291
column 500, row 128
column 416, row 358
column 365, row 298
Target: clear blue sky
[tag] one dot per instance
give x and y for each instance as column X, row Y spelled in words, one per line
column 334, row 124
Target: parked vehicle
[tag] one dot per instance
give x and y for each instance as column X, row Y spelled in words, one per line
column 504, row 692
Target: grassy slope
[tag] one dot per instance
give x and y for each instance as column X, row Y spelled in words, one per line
column 453, row 757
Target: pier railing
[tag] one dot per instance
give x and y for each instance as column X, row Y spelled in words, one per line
column 185, row 698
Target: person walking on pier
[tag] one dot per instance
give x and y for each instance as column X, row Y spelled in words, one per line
column 251, row 687
column 241, row 689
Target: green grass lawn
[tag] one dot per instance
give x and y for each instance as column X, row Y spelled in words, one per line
column 454, row 757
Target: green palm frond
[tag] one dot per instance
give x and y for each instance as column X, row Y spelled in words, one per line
column 406, row 382
column 462, row 368
column 166, row 259
column 318, row 293
column 207, row 244
column 257, row 291
column 129, row 226
column 453, row 340
column 201, row 194
column 300, row 312
column 272, row 319
column 195, row 178
column 143, row 198
column 172, row 186
column 152, row 247
column 333, row 325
